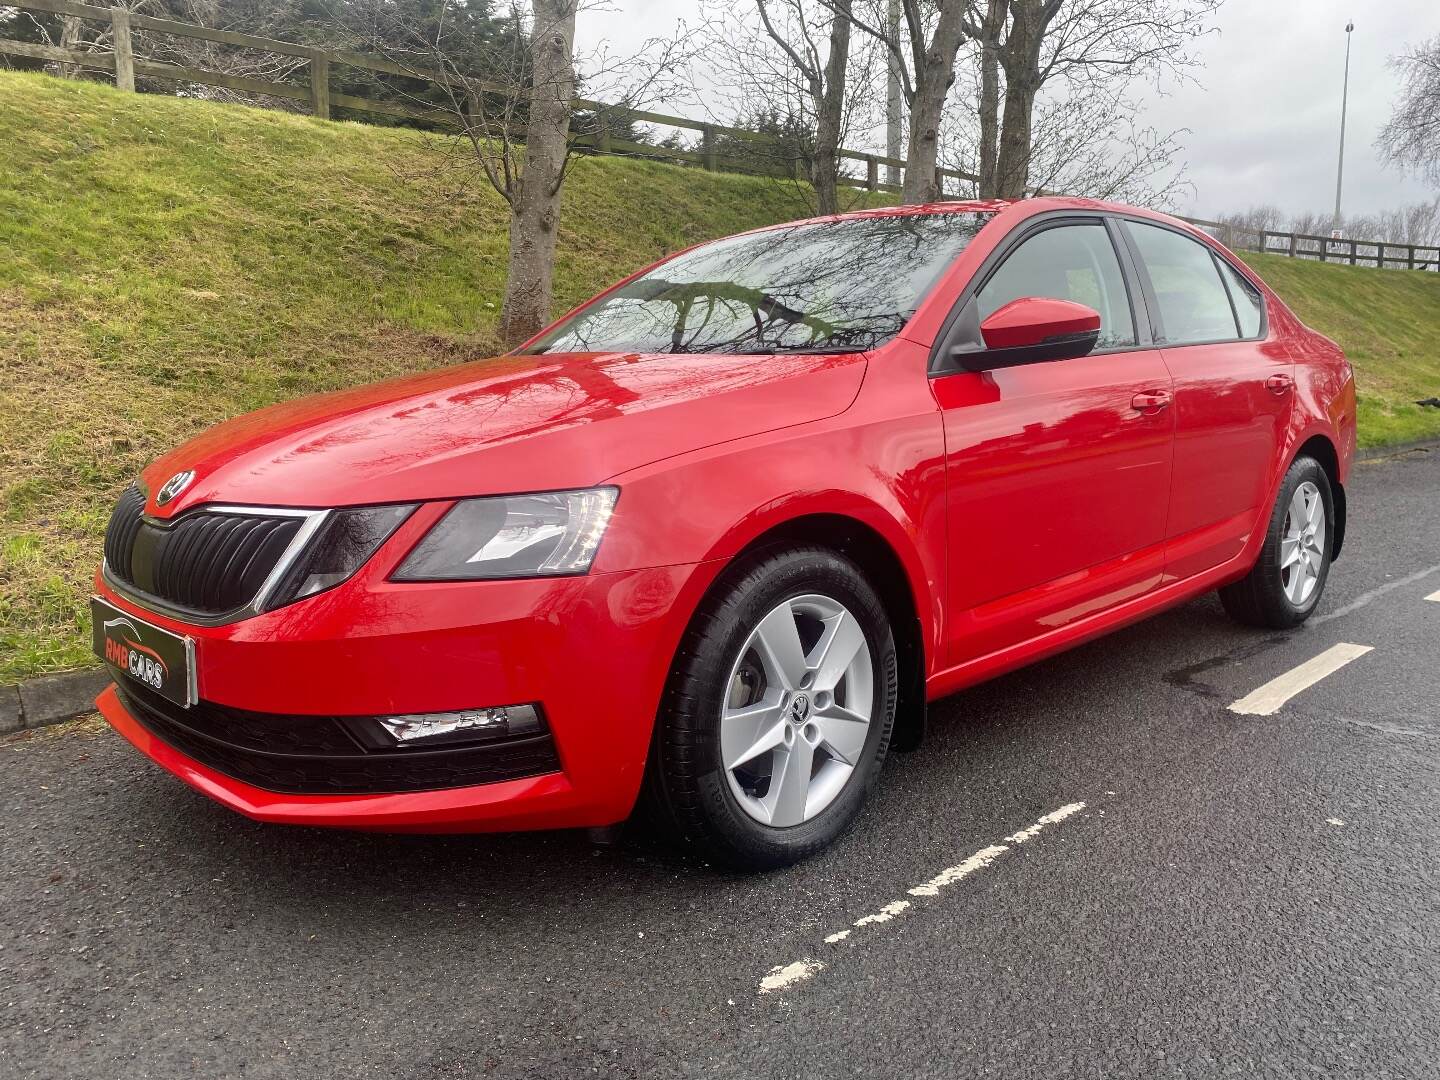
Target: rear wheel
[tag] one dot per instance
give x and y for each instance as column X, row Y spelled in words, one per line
column 1285, row 585
column 778, row 714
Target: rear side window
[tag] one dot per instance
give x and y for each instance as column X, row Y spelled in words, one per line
column 1248, row 304
column 1194, row 305
column 1067, row 262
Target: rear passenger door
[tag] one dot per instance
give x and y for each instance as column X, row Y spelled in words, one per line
column 1234, row 394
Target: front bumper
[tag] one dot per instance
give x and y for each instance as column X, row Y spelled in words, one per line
column 593, row 651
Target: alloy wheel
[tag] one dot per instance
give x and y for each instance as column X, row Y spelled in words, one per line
column 1302, row 544
column 797, row 710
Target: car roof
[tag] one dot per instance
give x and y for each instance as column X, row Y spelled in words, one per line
column 1015, row 208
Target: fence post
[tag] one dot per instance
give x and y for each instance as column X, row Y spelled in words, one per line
column 602, row 133
column 707, row 146
column 1352, row 252
column 1410, row 261
column 872, row 173
column 124, row 50
column 1293, row 242
column 320, row 86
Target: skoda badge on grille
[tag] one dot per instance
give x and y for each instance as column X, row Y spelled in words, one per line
column 174, row 486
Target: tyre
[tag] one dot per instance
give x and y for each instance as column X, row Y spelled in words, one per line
column 1285, row 585
column 778, row 713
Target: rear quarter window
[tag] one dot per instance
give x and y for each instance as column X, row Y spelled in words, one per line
column 1249, row 305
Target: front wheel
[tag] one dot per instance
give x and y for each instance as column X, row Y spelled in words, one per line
column 1285, row 584
column 778, row 714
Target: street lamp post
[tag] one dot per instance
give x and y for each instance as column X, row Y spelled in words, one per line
column 1344, row 99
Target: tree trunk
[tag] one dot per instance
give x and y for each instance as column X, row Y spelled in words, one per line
column 830, row 114
column 535, row 205
column 1012, row 166
column 1021, row 58
column 934, row 72
column 71, row 30
column 990, row 97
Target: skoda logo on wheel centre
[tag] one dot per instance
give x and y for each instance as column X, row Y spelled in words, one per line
column 800, row 708
column 174, row 486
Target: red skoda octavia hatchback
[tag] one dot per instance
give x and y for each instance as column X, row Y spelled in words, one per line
column 714, row 539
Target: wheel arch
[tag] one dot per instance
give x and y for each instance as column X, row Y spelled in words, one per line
column 884, row 568
column 1322, row 448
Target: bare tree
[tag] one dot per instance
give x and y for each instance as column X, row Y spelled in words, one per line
column 931, row 36
column 513, row 124
column 533, row 191
column 825, row 84
column 1410, row 139
column 1264, row 217
column 989, row 98
column 1095, row 144
column 795, row 61
column 1079, row 41
column 1311, row 223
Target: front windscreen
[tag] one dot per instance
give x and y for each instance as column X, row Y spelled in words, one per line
column 827, row 286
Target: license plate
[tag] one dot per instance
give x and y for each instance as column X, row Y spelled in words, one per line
column 162, row 662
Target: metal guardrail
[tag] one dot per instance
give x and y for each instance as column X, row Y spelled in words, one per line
column 122, row 62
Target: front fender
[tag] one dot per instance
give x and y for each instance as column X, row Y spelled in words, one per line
column 880, row 464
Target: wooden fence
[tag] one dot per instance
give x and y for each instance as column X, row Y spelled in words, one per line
column 123, row 63
column 1380, row 253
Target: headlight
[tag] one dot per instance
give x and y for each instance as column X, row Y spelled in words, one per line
column 513, row 536
column 344, row 543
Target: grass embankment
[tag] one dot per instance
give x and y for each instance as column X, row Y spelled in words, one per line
column 165, row 264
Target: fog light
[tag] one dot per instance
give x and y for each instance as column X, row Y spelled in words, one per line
column 467, row 725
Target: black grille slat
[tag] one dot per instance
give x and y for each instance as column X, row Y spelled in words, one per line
column 307, row 755
column 124, row 525
column 206, row 562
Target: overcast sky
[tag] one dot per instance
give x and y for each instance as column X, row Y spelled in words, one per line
column 1265, row 118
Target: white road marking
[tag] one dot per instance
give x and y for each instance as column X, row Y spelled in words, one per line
column 1434, row 596
column 1267, row 699
column 784, row 977
column 885, row 914
column 1371, row 596
column 1333, row 821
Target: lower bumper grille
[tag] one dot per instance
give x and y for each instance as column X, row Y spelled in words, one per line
column 316, row 755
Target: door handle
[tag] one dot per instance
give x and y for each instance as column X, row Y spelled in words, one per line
column 1279, row 384
column 1150, row 402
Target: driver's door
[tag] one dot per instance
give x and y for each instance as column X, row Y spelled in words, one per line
column 1057, row 473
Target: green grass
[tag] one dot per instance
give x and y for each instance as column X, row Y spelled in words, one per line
column 165, row 264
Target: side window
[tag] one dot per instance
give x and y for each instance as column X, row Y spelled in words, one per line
column 1248, row 302
column 1068, row 262
column 1194, row 305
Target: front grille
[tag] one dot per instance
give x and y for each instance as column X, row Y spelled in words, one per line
column 316, row 755
column 205, row 561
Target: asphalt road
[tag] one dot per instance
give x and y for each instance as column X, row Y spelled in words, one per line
column 1239, row 895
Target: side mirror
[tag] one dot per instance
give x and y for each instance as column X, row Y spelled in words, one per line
column 1033, row 330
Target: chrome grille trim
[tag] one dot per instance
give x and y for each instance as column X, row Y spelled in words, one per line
column 311, row 522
